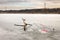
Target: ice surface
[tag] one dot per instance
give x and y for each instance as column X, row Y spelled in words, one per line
column 17, row 33
column 10, row 32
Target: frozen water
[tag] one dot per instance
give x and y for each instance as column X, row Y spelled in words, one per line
column 27, row 35
column 10, row 32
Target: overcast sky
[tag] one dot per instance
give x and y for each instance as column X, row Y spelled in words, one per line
column 25, row 4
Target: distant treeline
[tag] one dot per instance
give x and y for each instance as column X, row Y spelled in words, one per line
column 53, row 10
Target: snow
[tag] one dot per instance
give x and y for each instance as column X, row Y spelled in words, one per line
column 35, row 32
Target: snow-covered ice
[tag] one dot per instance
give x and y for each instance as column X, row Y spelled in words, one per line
column 35, row 32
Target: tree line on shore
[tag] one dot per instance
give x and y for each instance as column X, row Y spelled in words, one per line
column 53, row 10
